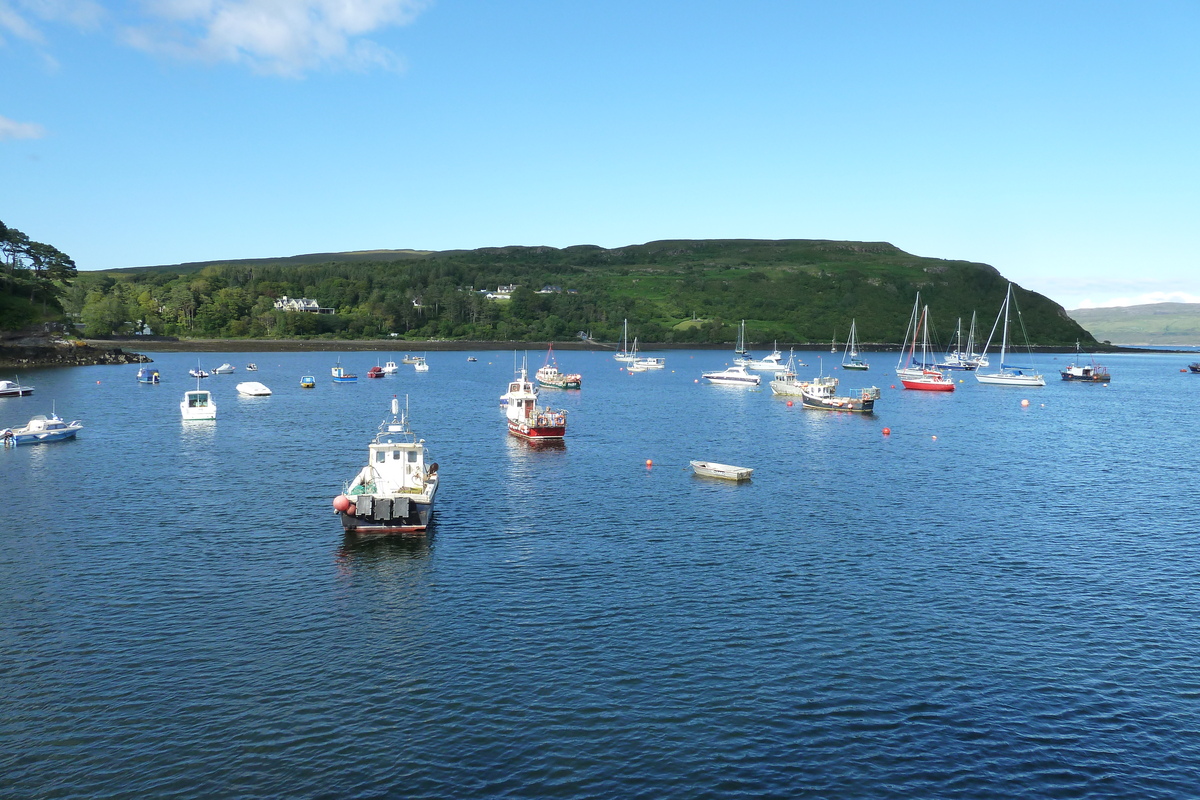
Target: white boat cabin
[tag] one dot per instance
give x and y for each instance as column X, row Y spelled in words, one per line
column 393, row 467
column 198, row 404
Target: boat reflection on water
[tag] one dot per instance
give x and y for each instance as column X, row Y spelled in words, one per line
column 359, row 551
column 519, row 446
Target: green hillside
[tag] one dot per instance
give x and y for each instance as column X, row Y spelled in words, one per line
column 685, row 291
column 1153, row 324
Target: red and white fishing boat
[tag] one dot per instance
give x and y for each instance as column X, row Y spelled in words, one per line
column 525, row 418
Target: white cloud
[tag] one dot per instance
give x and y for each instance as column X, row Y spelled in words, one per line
column 10, row 129
column 282, row 37
column 20, row 17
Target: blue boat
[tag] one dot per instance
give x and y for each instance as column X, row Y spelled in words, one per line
column 147, row 375
column 341, row 376
column 42, row 429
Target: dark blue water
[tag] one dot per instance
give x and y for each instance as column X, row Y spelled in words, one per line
column 993, row 601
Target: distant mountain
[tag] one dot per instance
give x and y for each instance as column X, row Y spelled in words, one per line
column 1152, row 324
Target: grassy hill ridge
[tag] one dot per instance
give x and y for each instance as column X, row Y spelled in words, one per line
column 671, row 291
column 1148, row 324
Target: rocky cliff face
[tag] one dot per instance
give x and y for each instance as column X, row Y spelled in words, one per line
column 51, row 347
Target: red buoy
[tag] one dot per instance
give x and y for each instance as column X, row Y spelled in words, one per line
column 789, row 403
column 341, row 503
column 887, row 431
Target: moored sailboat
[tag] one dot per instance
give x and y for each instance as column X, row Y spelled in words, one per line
column 923, row 378
column 850, row 358
column 1008, row 374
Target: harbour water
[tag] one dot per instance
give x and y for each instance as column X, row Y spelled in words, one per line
column 995, row 600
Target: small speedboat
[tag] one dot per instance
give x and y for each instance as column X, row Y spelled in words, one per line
column 732, row 376
column 252, row 367
column 419, row 364
column 197, row 373
column 711, row 469
column 308, row 381
column 14, row 389
column 224, row 369
column 42, row 429
column 472, row 358
column 253, row 389
column 147, row 375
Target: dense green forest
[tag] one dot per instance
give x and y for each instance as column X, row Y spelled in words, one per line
column 33, row 277
column 793, row 291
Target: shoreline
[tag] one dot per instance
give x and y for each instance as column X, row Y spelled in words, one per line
column 170, row 345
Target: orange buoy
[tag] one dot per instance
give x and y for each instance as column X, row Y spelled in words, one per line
column 887, row 431
column 1024, row 403
column 893, row 386
column 649, row 463
column 935, row 438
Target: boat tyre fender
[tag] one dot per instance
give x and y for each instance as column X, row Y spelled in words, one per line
column 433, row 468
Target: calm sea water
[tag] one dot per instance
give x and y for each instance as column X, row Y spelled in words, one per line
column 994, row 600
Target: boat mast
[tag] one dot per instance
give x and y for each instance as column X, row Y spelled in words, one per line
column 1004, row 341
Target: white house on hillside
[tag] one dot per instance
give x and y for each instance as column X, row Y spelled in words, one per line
column 286, row 303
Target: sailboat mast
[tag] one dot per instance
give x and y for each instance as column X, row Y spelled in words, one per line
column 1004, row 341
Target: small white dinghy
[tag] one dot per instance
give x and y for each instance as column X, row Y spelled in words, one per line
column 253, row 389
column 710, row 469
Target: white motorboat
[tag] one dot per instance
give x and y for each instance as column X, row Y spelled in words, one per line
column 732, row 376
column 224, row 369
column 771, row 363
column 419, row 364
column 14, row 389
column 711, row 469
column 252, row 367
column 42, row 429
column 253, row 389
column 394, row 492
column 197, row 373
column 198, row 404
column 390, row 368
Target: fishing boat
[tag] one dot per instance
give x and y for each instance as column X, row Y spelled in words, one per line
column 1008, row 374
column 197, row 404
column 252, row 367
column 1084, row 373
column 850, row 358
column 624, row 353
column 390, row 367
column 525, row 418
column 394, row 492
column 147, row 375
column 340, row 375
column 821, row 393
column 419, row 364
column 964, row 356
column 253, row 389
column 1193, row 367
column 923, row 378
column 409, row 359
column 735, row 375
column 308, row 381
column 728, row 472
column 375, row 372
column 14, row 388
column 224, row 369
column 42, row 429
column 785, row 382
column 550, row 377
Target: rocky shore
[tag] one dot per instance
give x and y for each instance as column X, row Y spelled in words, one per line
column 35, row 349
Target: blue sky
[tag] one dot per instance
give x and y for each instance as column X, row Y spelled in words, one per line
column 1055, row 141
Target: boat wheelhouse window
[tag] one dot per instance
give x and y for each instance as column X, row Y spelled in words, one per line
column 395, row 455
column 412, row 456
column 380, row 456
